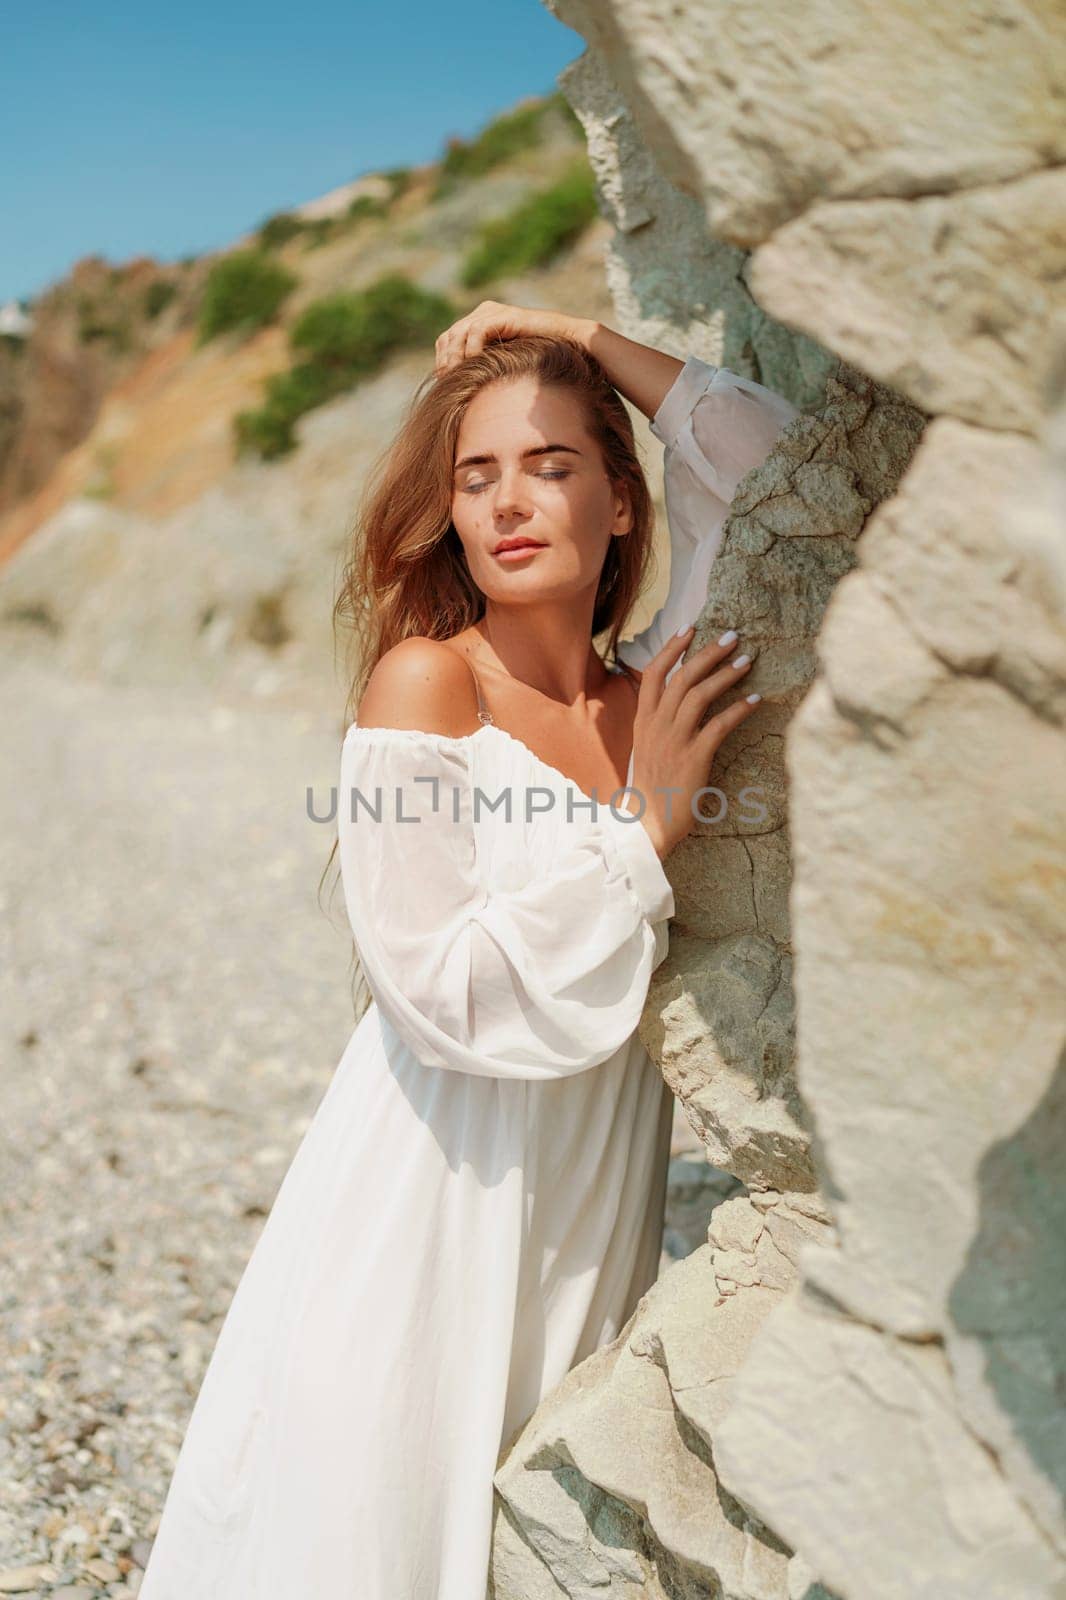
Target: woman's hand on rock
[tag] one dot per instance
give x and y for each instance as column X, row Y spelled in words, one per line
column 673, row 747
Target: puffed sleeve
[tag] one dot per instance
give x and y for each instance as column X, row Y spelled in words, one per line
column 715, row 426
column 539, row 979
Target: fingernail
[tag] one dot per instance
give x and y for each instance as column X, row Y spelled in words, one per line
column 727, row 638
column 685, row 629
column 752, row 699
column 740, row 661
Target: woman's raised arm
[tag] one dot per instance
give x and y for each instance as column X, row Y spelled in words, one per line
column 716, row 426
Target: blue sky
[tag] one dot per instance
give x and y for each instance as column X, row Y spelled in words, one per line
column 165, row 130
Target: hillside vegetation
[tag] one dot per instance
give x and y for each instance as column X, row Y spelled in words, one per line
column 183, row 446
column 310, row 303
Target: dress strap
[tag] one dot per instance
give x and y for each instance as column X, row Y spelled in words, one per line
column 485, row 715
column 483, row 712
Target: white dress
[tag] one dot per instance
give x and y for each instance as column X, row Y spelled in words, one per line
column 477, row 1204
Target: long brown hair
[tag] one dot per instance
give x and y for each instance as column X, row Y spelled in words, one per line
column 406, row 574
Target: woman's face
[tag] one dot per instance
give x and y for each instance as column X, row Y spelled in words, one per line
column 526, row 468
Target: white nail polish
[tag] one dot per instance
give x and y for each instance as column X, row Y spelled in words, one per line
column 728, row 637
column 753, row 699
column 740, row 661
column 685, row 629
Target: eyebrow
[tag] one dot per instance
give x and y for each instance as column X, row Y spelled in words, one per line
column 534, row 450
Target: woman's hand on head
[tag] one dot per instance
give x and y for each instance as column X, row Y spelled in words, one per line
column 673, row 747
column 492, row 320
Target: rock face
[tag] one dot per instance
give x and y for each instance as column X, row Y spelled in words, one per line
column 87, row 334
column 855, row 1389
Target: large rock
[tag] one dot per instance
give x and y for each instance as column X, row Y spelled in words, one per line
column 929, row 812
column 673, row 282
column 925, row 294
column 610, row 1489
column 760, row 112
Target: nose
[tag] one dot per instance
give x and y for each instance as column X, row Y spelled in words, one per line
column 511, row 494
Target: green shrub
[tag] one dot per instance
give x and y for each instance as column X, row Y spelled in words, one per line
column 266, row 432
column 399, row 179
column 404, row 314
column 269, row 429
column 342, row 338
column 336, row 331
column 319, row 231
column 243, row 290
column 535, row 231
column 158, row 296
column 366, row 205
column 501, row 139
column 323, row 229
column 357, row 330
column 279, row 229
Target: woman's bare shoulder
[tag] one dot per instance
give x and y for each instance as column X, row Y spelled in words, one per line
column 422, row 684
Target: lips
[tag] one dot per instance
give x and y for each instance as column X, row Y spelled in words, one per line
column 517, row 544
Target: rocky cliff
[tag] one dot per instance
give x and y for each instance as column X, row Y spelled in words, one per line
column 855, row 1387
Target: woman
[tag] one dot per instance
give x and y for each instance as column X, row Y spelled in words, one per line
column 478, row 1202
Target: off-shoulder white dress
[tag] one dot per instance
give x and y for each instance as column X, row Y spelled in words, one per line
column 477, row 1204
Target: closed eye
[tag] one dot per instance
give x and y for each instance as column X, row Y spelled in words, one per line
column 558, row 472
